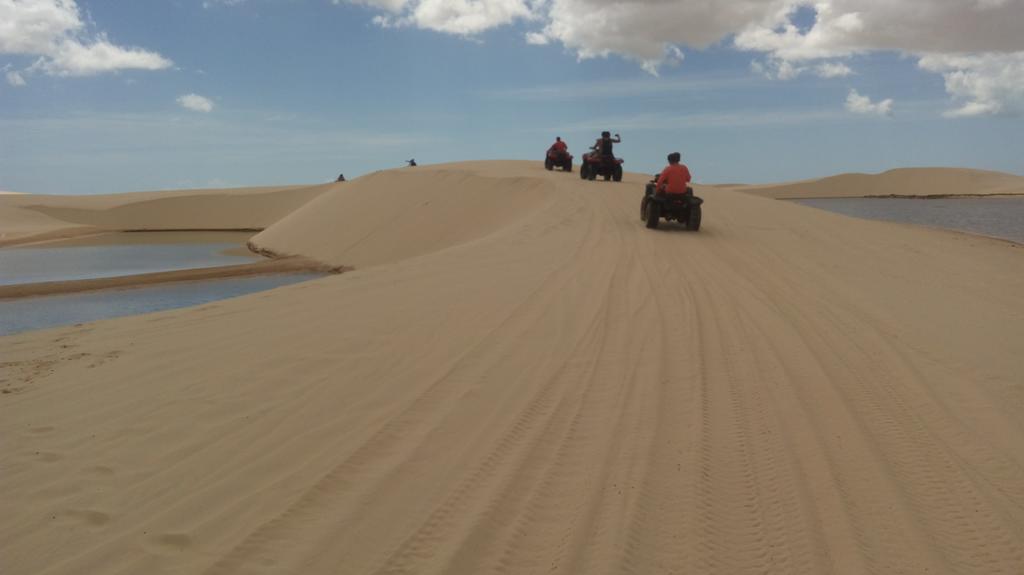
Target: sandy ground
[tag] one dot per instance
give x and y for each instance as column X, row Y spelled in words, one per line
column 519, row 377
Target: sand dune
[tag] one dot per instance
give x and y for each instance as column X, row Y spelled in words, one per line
column 520, row 378
column 394, row 215
column 912, row 182
column 33, row 217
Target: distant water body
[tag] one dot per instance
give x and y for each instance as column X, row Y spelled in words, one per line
column 125, row 254
column 18, row 315
column 995, row 217
column 79, row 262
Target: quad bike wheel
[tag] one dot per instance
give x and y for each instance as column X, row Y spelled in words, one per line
column 693, row 221
column 607, row 177
column 548, row 164
column 617, row 173
column 583, row 170
column 568, row 166
column 591, row 174
column 653, row 214
column 643, row 209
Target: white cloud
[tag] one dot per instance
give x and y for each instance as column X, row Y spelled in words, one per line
column 537, row 39
column 392, row 6
column 863, row 105
column 15, row 78
column 832, row 70
column 979, row 51
column 54, row 31
column 467, row 17
column 673, row 57
column 196, row 103
column 983, row 83
column 779, row 69
column 77, row 59
column 647, row 30
column 844, row 27
column 642, row 30
column 35, row 26
column 458, row 17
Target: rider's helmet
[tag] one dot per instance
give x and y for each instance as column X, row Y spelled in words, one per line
column 606, row 134
column 674, row 158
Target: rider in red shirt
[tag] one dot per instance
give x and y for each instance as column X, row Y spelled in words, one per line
column 559, row 145
column 675, row 177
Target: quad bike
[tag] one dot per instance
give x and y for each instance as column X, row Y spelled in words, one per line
column 684, row 208
column 595, row 165
column 560, row 158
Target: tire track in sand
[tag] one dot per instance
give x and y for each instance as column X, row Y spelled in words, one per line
column 865, row 370
column 390, row 442
column 441, row 544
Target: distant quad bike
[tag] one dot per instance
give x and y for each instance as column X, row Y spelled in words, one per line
column 558, row 158
column 595, row 165
column 684, row 208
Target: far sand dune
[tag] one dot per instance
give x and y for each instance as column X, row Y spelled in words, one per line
column 901, row 182
column 519, row 377
column 28, row 217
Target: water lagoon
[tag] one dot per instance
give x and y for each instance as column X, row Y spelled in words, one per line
column 120, row 254
column 24, row 314
column 1001, row 217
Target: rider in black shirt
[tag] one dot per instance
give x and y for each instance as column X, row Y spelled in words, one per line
column 603, row 145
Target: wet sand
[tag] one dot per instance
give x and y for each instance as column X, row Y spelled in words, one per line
column 265, row 267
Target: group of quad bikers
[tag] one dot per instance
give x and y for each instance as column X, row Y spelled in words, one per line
column 667, row 196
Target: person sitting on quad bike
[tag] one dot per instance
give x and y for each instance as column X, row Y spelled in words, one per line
column 675, row 178
column 601, row 160
column 603, row 145
column 669, row 196
column 558, row 155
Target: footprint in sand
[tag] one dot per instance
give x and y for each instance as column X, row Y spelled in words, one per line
column 57, row 491
column 171, row 542
column 99, row 471
column 109, row 356
column 48, row 457
column 90, row 517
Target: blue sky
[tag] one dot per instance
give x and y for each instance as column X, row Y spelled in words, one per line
column 296, row 91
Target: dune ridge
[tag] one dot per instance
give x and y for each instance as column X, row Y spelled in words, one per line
column 518, row 377
column 26, row 218
column 902, row 182
column 392, row 215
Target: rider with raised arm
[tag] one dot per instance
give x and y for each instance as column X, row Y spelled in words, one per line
column 603, row 145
